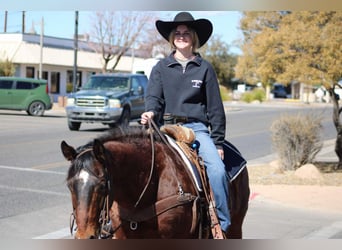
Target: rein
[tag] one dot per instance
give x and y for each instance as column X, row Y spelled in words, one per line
column 151, row 170
column 152, row 125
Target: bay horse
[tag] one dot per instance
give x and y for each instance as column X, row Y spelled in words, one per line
column 134, row 177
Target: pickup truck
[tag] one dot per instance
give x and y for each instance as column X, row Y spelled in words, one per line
column 110, row 99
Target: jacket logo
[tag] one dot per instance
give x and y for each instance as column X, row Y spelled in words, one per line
column 196, row 83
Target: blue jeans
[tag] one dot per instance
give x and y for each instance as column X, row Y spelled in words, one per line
column 215, row 170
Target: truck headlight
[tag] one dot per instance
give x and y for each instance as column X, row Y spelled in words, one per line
column 114, row 103
column 70, row 102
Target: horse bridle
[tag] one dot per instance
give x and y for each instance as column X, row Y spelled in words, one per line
column 104, row 214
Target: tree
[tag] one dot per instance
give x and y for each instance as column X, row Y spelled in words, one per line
column 260, row 60
column 303, row 46
column 216, row 52
column 312, row 53
column 6, row 68
column 115, row 33
column 153, row 44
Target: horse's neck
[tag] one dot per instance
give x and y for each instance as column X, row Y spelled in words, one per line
column 145, row 174
column 130, row 170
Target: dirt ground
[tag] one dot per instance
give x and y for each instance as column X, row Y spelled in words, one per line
column 323, row 198
column 323, row 192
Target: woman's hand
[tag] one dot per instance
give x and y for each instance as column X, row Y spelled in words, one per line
column 221, row 153
column 146, row 116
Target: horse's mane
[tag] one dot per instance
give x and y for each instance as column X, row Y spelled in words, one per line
column 132, row 134
column 129, row 134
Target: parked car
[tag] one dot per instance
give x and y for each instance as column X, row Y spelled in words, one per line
column 111, row 99
column 32, row 95
column 279, row 91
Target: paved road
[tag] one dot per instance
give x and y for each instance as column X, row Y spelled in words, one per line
column 35, row 203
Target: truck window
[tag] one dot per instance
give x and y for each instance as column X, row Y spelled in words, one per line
column 106, row 83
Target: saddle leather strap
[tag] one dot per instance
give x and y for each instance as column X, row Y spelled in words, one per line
column 160, row 207
column 209, row 196
column 197, row 161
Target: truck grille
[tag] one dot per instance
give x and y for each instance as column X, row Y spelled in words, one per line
column 86, row 102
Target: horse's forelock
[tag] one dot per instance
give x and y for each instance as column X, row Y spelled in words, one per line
column 86, row 160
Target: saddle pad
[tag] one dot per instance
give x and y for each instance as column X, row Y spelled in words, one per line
column 233, row 160
column 190, row 166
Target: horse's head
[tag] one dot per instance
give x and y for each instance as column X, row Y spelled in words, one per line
column 88, row 183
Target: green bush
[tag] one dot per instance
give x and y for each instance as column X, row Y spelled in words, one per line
column 297, row 139
column 69, row 87
column 7, row 68
column 257, row 94
column 247, row 97
column 225, row 95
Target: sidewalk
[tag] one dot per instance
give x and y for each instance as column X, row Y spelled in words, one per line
column 57, row 107
column 311, row 197
column 56, row 110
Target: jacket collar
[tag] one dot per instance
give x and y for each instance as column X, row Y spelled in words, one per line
column 170, row 60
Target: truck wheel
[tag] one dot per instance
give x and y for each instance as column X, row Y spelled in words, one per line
column 125, row 118
column 74, row 126
column 36, row 108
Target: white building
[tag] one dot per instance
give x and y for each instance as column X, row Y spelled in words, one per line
column 56, row 58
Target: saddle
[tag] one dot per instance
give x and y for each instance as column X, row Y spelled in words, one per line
column 184, row 138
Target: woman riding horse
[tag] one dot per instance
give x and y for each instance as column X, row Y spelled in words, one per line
column 184, row 86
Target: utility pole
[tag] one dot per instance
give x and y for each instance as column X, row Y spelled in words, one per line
column 133, row 56
column 5, row 26
column 23, row 23
column 41, row 48
column 74, row 79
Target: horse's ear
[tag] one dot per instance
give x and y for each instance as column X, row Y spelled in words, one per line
column 68, row 151
column 99, row 151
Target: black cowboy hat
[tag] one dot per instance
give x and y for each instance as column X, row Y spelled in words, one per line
column 203, row 27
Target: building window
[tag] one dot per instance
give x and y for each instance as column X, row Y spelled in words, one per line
column 45, row 75
column 55, row 83
column 70, row 74
column 30, row 72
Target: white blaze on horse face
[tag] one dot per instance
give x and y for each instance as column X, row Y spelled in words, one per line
column 84, row 176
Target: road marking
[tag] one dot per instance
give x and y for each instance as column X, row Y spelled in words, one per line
column 31, row 190
column 32, row 170
column 60, row 234
column 326, row 232
column 51, row 165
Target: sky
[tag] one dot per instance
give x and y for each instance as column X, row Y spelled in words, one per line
column 61, row 23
